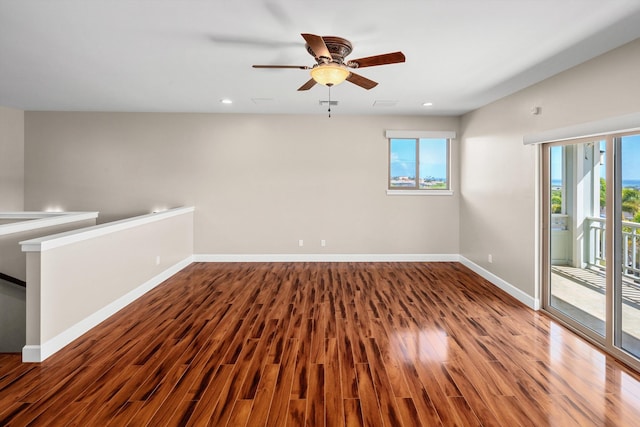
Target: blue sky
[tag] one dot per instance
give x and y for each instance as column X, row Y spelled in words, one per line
column 433, row 157
column 630, row 160
column 631, row 157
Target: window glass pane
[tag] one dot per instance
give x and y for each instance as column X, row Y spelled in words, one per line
column 433, row 164
column 402, row 163
column 577, row 236
column 557, row 184
column 629, row 288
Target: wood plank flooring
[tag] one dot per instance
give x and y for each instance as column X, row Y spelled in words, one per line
column 323, row 344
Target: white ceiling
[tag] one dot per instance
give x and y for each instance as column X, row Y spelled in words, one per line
column 187, row 55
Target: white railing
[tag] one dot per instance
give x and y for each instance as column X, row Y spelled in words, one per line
column 596, row 243
column 631, row 248
column 596, row 248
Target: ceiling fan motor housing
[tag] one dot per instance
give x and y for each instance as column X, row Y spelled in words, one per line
column 338, row 47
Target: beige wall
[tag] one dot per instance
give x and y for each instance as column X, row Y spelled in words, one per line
column 13, row 261
column 11, row 159
column 70, row 283
column 259, row 182
column 498, row 179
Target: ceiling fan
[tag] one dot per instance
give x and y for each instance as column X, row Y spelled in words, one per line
column 331, row 68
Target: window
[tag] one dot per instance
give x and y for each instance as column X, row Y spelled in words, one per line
column 419, row 164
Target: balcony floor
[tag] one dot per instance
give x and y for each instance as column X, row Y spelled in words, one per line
column 580, row 294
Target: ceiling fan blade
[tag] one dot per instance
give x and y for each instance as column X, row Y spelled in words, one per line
column 251, row 41
column 300, row 67
column 317, row 45
column 363, row 82
column 371, row 61
column 308, row 85
column 280, row 14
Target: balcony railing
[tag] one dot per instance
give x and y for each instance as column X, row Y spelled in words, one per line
column 630, row 246
column 596, row 244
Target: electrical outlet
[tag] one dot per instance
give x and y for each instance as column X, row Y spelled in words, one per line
column 490, row 258
column 157, row 259
column 323, row 243
column 301, row 243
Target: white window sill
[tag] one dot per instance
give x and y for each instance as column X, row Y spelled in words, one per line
column 419, row 193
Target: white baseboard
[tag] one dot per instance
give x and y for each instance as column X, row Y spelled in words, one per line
column 533, row 303
column 38, row 353
column 31, row 353
column 326, row 258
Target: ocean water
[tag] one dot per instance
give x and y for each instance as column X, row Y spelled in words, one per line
column 633, row 183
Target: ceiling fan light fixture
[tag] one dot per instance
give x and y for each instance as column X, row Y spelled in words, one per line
column 329, row 74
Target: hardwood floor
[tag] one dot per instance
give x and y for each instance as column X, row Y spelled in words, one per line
column 375, row 344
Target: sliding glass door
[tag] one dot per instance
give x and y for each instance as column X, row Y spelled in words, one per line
column 627, row 284
column 591, row 223
column 577, row 288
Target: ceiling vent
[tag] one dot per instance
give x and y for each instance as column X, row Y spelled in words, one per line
column 385, row 103
column 263, row 101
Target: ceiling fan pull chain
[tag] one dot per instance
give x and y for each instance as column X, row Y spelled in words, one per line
column 329, row 86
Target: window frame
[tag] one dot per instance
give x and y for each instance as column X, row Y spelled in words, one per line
column 417, row 136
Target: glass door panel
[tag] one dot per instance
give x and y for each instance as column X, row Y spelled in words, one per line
column 627, row 286
column 577, row 289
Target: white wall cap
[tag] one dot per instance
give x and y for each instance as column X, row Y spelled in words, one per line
column 61, row 239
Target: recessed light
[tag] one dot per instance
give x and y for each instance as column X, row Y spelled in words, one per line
column 427, row 104
column 226, row 101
